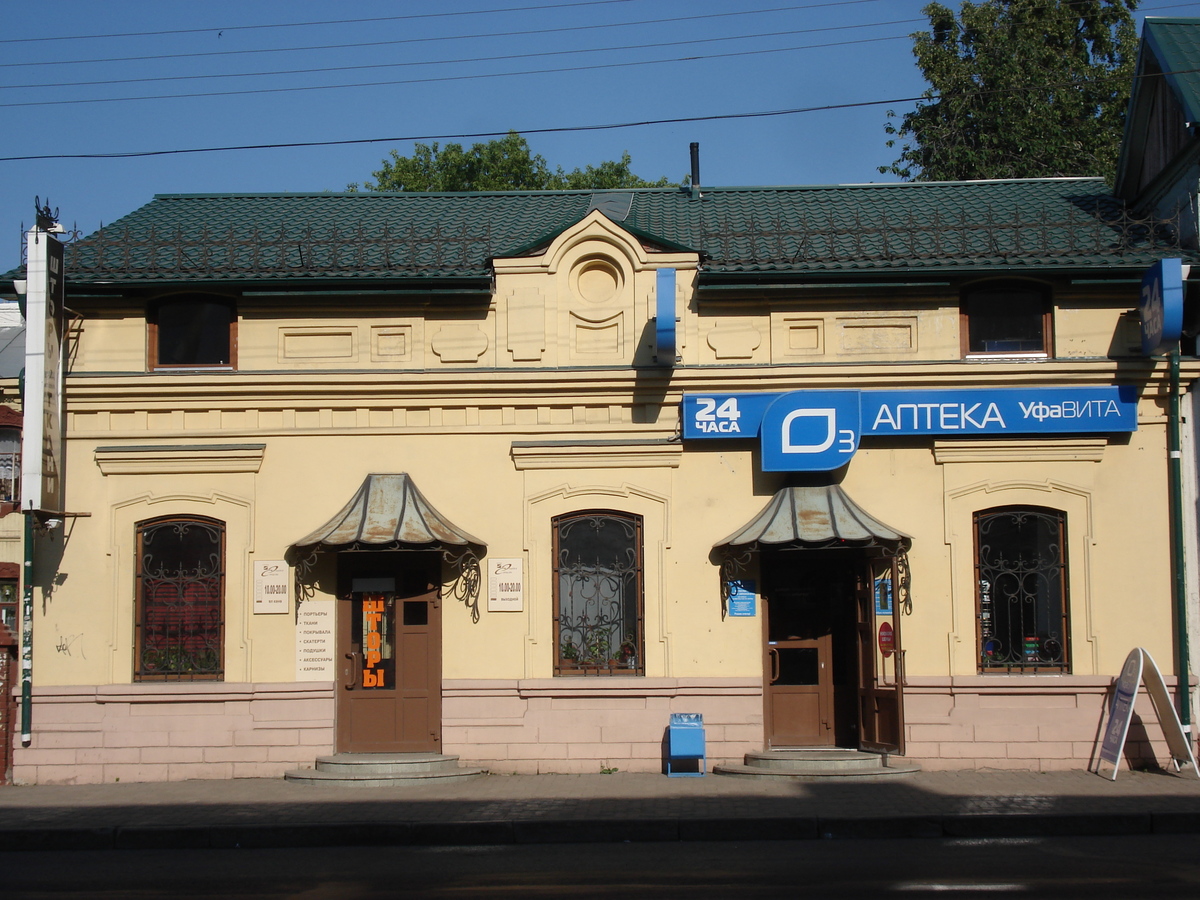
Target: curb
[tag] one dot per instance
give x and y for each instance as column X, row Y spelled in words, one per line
column 560, row 831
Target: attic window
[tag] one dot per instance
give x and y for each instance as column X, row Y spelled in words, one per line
column 1006, row 320
column 192, row 331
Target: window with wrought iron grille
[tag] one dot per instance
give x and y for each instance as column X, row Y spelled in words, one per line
column 192, row 331
column 598, row 594
column 1021, row 589
column 180, row 620
column 9, row 593
column 1005, row 319
column 10, row 465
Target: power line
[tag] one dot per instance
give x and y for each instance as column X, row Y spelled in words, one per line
column 449, row 62
column 442, row 15
column 438, row 38
column 134, row 154
column 444, row 78
column 435, row 79
column 469, row 135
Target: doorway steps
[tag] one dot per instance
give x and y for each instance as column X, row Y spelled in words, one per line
column 383, row 769
column 820, row 765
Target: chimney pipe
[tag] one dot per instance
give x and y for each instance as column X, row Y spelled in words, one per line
column 695, row 185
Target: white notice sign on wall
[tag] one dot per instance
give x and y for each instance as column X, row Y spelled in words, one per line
column 506, row 585
column 314, row 641
column 271, row 586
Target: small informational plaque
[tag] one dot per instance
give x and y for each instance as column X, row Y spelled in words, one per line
column 887, row 639
column 506, row 584
column 883, row 595
column 314, row 641
column 743, row 601
column 272, row 593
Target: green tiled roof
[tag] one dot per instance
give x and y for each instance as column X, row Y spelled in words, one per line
column 743, row 233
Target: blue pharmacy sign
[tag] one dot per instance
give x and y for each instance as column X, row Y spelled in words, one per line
column 724, row 415
column 1161, row 306
column 1000, row 411
column 810, row 431
column 816, row 431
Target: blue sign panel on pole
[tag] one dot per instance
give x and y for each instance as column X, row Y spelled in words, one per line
column 664, row 318
column 742, row 599
column 810, row 431
column 1161, row 307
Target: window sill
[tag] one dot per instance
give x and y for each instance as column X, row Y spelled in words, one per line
column 1003, row 357
column 173, row 369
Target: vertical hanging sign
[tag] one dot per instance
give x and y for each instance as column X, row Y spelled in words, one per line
column 374, row 675
column 665, row 345
column 45, row 321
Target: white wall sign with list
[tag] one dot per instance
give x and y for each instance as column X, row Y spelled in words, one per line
column 506, row 585
column 271, row 586
column 314, row 641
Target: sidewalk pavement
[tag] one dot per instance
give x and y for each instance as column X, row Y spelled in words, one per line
column 505, row 809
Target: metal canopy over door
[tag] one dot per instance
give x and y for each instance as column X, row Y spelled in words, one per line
column 832, row 662
column 391, row 544
column 880, row 658
column 389, row 653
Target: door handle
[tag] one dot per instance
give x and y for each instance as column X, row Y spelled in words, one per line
column 774, row 657
column 351, row 680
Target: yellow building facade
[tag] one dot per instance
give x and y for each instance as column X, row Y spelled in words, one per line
column 416, row 472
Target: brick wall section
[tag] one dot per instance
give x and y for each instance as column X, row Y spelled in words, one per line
column 1036, row 722
column 581, row 725
column 173, row 732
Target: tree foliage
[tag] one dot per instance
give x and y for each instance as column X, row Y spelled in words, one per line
column 505, row 164
column 1019, row 88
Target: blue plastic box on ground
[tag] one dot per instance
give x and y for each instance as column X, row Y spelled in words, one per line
column 685, row 744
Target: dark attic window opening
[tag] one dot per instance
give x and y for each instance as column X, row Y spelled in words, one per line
column 1005, row 321
column 192, row 331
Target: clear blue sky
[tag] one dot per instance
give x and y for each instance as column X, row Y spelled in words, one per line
column 82, row 77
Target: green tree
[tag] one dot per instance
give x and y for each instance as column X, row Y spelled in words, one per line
column 505, row 164
column 1019, row 88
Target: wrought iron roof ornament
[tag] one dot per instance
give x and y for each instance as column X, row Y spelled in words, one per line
column 45, row 218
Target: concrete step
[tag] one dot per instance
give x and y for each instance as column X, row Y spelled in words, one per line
column 820, row 765
column 378, row 769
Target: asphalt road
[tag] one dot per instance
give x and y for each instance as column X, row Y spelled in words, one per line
column 1163, row 866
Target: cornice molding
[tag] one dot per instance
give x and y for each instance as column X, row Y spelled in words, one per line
column 1041, row 450
column 596, row 455
column 181, row 459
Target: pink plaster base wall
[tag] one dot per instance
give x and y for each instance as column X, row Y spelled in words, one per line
column 581, row 725
column 1036, row 722
column 173, row 732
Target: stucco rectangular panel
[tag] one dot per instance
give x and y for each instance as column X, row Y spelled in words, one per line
column 871, row 336
column 317, row 343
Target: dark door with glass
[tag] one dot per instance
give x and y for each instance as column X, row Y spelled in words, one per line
column 809, row 651
column 880, row 657
column 389, row 693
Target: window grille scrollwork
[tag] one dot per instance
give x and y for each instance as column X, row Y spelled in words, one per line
column 1021, row 589
column 598, row 594
column 181, row 583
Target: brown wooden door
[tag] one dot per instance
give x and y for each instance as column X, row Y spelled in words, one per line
column 800, row 711
column 390, row 660
column 880, row 658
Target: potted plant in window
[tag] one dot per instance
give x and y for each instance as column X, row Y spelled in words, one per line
column 628, row 653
